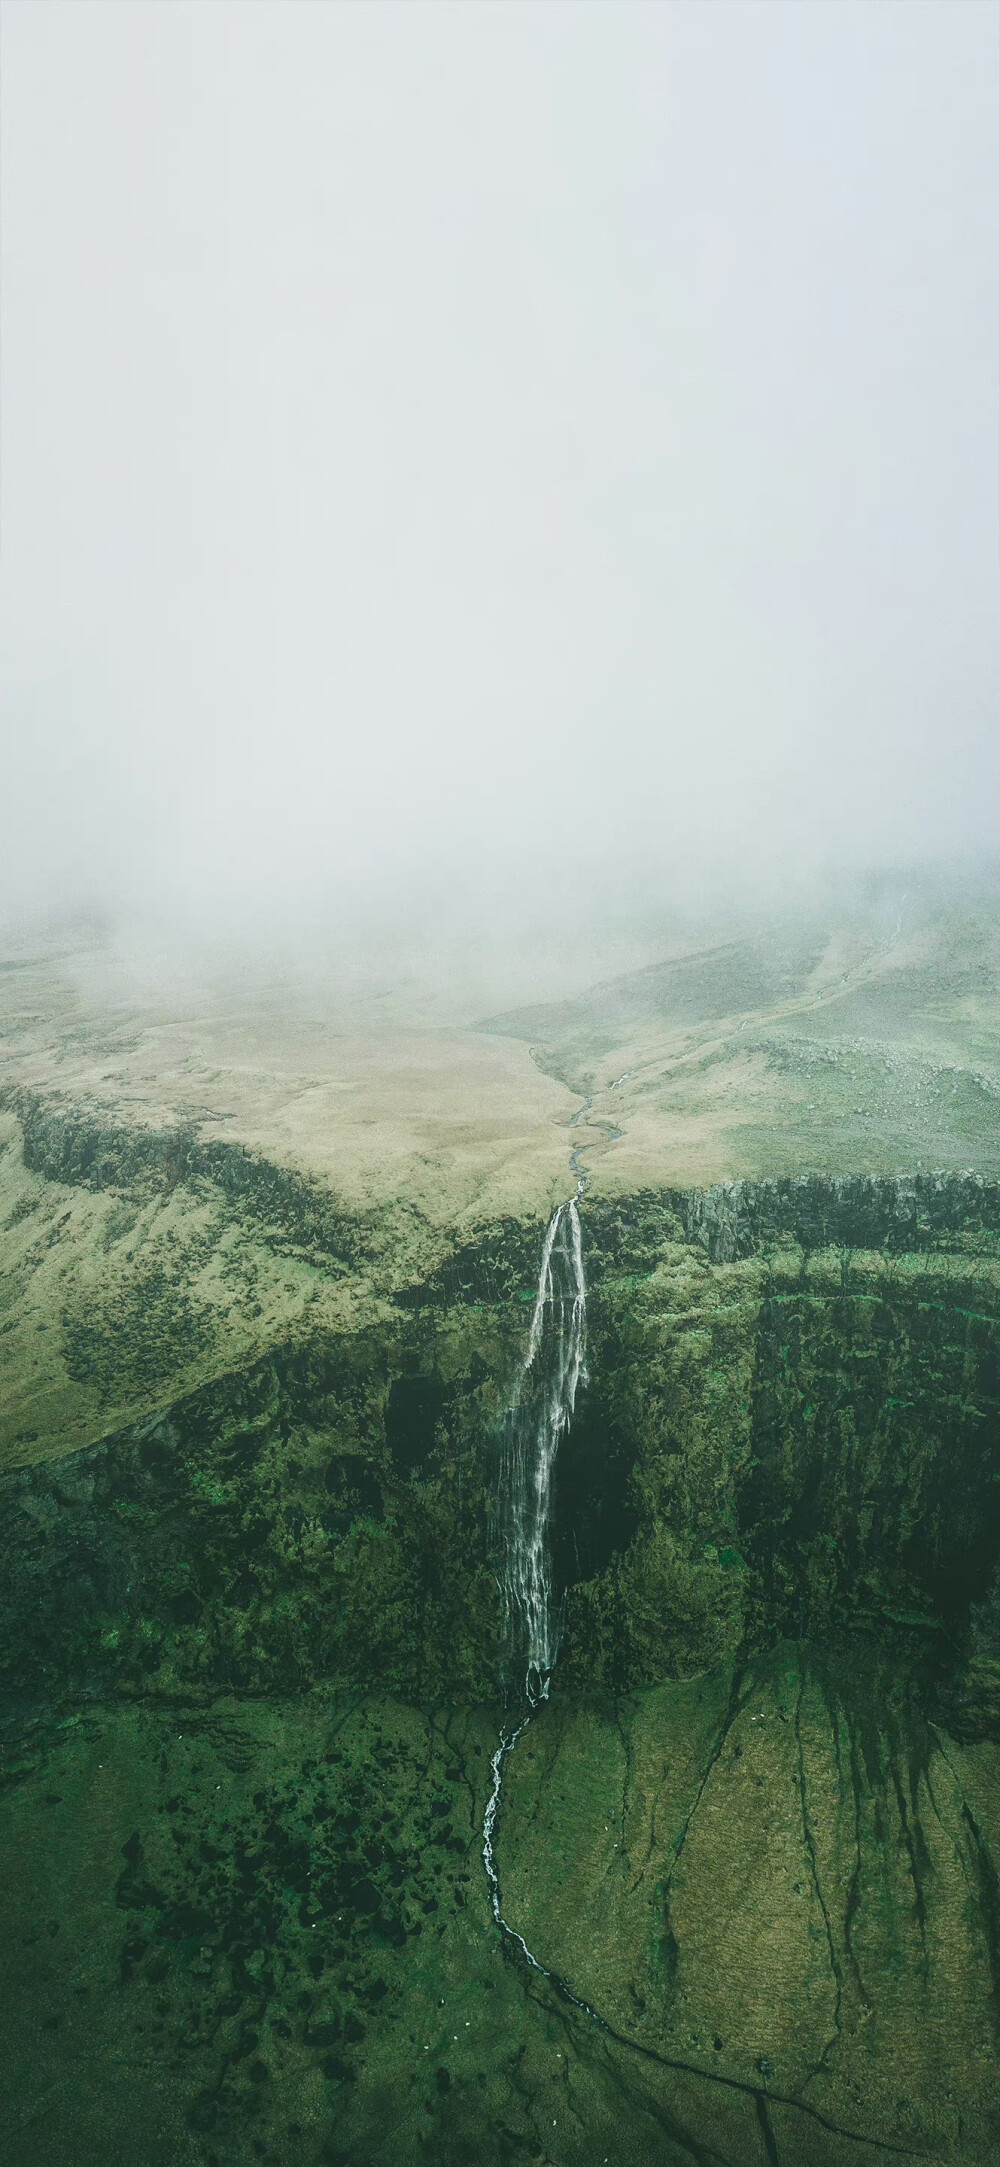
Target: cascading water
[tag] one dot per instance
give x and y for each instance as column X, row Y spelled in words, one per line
column 538, row 1418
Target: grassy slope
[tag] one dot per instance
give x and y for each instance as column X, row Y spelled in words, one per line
column 815, row 1050
column 262, row 1932
column 849, row 1049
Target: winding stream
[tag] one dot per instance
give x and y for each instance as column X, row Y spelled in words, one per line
column 610, row 1133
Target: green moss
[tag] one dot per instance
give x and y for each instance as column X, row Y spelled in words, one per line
column 778, row 1444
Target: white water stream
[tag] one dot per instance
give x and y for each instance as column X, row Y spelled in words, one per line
column 537, row 1420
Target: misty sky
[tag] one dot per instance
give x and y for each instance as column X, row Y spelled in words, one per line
column 491, row 449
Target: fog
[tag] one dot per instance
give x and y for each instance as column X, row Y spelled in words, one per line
column 520, row 460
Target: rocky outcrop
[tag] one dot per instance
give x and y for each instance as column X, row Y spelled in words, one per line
column 912, row 1213
column 84, row 1147
column 915, row 1214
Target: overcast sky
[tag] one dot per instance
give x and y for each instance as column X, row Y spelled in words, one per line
column 457, row 447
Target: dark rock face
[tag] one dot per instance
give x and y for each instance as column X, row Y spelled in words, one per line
column 866, row 1211
column 279, row 1527
column 873, row 1456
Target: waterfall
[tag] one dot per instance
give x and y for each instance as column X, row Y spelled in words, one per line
column 539, row 1416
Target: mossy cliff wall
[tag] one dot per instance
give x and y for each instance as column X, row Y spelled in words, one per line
column 252, row 1654
column 786, row 1432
